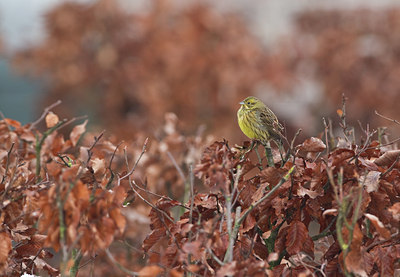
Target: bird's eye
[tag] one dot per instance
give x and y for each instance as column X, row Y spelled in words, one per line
column 248, row 103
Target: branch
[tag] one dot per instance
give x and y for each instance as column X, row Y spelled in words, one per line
column 268, row 154
column 391, row 167
column 372, row 245
column 108, row 185
column 120, row 266
column 239, row 220
column 281, row 182
column 45, row 112
column 178, row 168
column 137, row 161
column 387, row 118
column 89, row 151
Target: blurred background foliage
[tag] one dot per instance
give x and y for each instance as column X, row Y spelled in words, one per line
column 127, row 70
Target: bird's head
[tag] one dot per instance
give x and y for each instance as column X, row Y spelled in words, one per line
column 251, row 103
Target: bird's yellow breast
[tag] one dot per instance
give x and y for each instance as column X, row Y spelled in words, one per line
column 244, row 124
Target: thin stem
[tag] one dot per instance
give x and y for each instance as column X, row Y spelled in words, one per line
column 268, row 154
column 120, row 266
column 239, row 220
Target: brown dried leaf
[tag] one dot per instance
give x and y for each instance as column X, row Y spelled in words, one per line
column 384, row 259
column 395, row 210
column 339, row 155
column 12, row 122
column 370, row 181
column 153, row 238
column 280, row 242
column 354, row 262
column 5, row 248
column 379, row 227
column 370, row 165
column 312, row 145
column 388, row 158
column 118, row 218
column 76, row 132
column 296, row 236
column 228, row 269
column 51, row 119
column 150, row 271
column 259, row 192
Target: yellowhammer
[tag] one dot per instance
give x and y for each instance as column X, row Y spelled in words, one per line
column 258, row 122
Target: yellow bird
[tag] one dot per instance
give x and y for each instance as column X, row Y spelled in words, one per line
column 258, row 122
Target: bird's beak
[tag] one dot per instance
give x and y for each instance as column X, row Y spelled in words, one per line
column 241, row 103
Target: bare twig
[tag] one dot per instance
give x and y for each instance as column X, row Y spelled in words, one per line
column 34, row 258
column 268, row 154
column 178, row 168
column 88, row 261
column 372, row 245
column 391, row 166
column 156, row 194
column 62, row 230
column 191, row 178
column 109, row 166
column 137, row 161
column 271, row 192
column 150, row 204
column 232, row 235
column 45, row 112
column 385, row 144
column 369, row 136
column 132, row 182
column 387, row 118
column 239, row 220
column 77, row 257
column 294, row 139
column 326, row 131
column 120, row 266
column 214, row 256
column 89, row 151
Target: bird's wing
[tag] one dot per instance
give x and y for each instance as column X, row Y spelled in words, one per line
column 268, row 118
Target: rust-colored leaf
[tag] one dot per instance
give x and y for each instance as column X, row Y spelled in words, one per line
column 353, row 261
column 388, row 158
column 296, row 236
column 228, row 269
column 12, row 122
column 339, row 155
column 153, row 238
column 379, row 227
column 150, row 271
column 312, row 145
column 5, row 248
column 77, row 132
column 395, row 210
column 119, row 219
column 384, row 258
